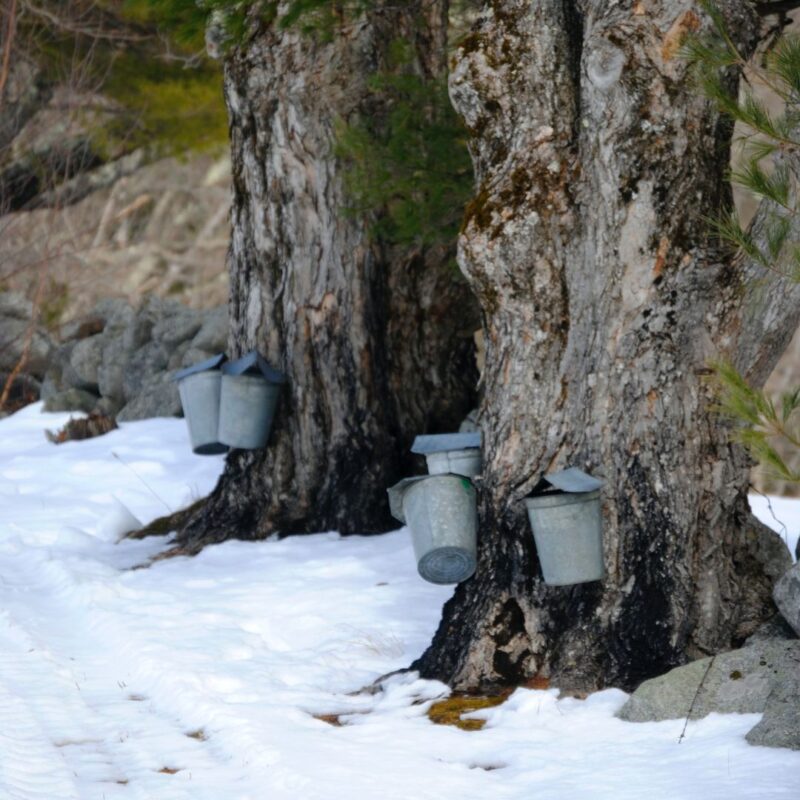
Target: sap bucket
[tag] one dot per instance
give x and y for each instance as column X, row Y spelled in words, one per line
column 441, row 512
column 454, row 453
column 566, row 519
column 248, row 397
column 199, row 388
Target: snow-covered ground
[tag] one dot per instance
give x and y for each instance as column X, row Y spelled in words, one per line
column 201, row 678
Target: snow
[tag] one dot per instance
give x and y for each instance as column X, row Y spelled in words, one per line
column 201, row 678
column 782, row 514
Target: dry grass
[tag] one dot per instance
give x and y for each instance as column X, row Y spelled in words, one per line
column 95, row 424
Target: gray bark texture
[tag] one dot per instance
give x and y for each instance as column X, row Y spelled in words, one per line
column 376, row 341
column 604, row 300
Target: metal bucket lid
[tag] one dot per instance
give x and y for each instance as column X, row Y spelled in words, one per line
column 572, row 480
column 441, row 442
column 254, row 364
column 201, row 366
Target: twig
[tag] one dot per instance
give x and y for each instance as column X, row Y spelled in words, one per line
column 694, row 699
column 8, row 46
column 146, row 484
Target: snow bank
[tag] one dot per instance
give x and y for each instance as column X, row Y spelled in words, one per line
column 204, row 678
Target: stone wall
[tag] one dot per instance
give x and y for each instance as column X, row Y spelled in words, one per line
column 117, row 359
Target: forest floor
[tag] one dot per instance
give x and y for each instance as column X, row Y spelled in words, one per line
column 236, row 674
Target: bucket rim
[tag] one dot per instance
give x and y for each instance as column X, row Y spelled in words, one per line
column 398, row 492
column 559, row 498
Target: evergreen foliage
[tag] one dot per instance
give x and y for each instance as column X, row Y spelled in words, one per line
column 411, row 170
column 763, row 420
column 769, row 141
column 770, row 174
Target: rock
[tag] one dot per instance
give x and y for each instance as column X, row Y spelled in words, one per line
column 71, row 400
column 108, row 406
column 149, row 360
column 787, row 597
column 770, row 550
column 176, row 356
column 775, row 628
column 194, row 356
column 115, row 312
column 178, row 327
column 111, row 372
column 60, row 374
column 780, row 725
column 85, row 360
column 81, row 328
column 158, row 398
column 15, row 306
column 15, row 332
column 213, row 335
column 746, row 681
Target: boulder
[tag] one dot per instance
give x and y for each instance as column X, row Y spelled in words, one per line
column 149, row 360
column 115, row 313
column 787, row 597
column 85, row 359
column 111, row 373
column 213, row 335
column 193, row 356
column 775, row 628
column 752, row 680
column 60, row 374
column 81, row 328
column 780, row 725
column 14, row 305
column 71, row 400
column 176, row 356
column 178, row 327
column 16, row 313
column 152, row 311
column 109, row 406
column 158, row 398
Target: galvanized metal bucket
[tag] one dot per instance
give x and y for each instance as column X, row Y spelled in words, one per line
column 453, row 453
column 441, row 512
column 199, row 390
column 567, row 526
column 248, row 398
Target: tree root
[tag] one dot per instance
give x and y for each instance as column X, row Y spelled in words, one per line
column 168, row 524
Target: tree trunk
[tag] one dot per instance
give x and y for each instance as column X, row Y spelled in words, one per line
column 376, row 341
column 603, row 302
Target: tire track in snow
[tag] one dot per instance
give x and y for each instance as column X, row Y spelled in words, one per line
column 106, row 740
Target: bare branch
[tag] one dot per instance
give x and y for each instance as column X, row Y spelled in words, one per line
column 8, row 46
column 93, row 32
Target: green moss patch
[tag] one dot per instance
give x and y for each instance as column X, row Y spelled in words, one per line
column 450, row 711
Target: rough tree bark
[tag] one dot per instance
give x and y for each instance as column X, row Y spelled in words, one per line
column 376, row 341
column 603, row 302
